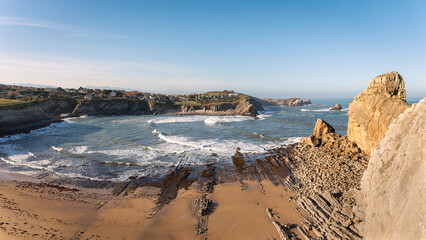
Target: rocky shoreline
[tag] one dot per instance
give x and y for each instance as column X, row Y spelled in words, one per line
column 320, row 188
column 29, row 116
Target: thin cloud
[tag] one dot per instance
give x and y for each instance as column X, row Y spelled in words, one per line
column 143, row 75
column 71, row 31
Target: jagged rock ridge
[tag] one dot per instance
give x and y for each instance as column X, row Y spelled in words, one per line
column 372, row 111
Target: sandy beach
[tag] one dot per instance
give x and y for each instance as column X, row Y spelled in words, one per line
column 38, row 210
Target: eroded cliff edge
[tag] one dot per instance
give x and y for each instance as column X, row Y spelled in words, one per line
column 394, row 184
column 25, row 117
column 372, row 111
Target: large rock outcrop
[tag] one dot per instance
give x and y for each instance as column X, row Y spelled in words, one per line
column 110, row 107
column 372, row 111
column 245, row 106
column 290, row 102
column 23, row 118
column 394, row 184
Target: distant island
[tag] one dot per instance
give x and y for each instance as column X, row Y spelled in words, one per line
column 24, row 108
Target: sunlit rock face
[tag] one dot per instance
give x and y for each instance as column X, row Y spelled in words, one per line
column 373, row 110
column 394, row 184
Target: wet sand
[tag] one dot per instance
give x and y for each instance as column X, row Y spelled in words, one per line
column 46, row 211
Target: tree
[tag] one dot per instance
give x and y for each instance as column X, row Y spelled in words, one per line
column 27, row 99
column 12, row 94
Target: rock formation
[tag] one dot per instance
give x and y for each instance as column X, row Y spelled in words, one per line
column 336, row 107
column 394, row 184
column 372, row 111
column 23, row 118
column 110, row 107
column 322, row 128
column 245, row 106
column 290, row 102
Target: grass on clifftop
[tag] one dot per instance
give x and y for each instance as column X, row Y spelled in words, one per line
column 7, row 102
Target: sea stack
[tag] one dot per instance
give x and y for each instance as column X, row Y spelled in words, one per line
column 372, row 111
column 394, row 184
column 336, row 107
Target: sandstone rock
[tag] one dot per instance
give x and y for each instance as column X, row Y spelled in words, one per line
column 372, row 111
column 394, row 184
column 322, row 128
column 311, row 140
column 336, row 107
column 330, row 137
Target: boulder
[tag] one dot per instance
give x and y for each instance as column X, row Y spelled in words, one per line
column 307, row 102
column 336, row 107
column 322, row 128
column 372, row 111
column 311, row 140
column 394, row 184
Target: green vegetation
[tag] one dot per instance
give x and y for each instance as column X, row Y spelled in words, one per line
column 6, row 102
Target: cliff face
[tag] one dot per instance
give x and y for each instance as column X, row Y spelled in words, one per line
column 26, row 117
column 57, row 107
column 394, row 184
column 290, row 102
column 372, row 111
column 110, row 107
column 244, row 107
column 23, row 119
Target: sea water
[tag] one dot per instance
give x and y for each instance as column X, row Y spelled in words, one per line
column 117, row 147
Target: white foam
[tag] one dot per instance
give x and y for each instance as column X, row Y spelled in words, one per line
column 178, row 119
column 292, row 140
column 315, row 110
column 78, row 150
column 220, row 147
column 226, row 119
column 263, row 116
column 72, row 119
column 57, row 149
column 36, row 132
column 177, row 140
column 22, row 160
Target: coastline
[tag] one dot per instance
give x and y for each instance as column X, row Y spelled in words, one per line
column 244, row 201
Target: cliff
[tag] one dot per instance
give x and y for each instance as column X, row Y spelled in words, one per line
column 290, row 102
column 394, row 184
column 23, row 118
column 110, row 107
column 58, row 106
column 372, row 111
column 244, row 106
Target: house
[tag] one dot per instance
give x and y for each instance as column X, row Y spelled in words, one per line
column 88, row 97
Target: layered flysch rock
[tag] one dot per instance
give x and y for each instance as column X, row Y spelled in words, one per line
column 23, row 119
column 372, row 111
column 245, row 106
column 290, row 102
column 394, row 184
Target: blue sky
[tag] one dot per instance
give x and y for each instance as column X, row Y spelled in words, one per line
column 305, row 48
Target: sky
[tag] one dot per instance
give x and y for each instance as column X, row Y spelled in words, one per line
column 280, row 49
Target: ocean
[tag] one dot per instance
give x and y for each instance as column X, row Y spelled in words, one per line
column 117, row 147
